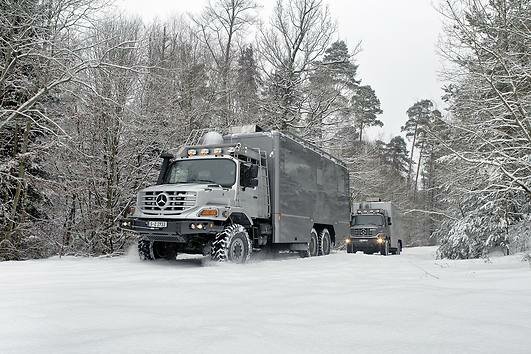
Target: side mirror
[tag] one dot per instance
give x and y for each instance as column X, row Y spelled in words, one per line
column 389, row 221
column 166, row 157
column 253, row 171
column 248, row 176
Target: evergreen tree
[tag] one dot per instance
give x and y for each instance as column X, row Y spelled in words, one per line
column 420, row 116
column 365, row 106
column 331, row 84
column 395, row 154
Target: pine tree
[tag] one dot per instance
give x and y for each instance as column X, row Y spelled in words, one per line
column 331, row 84
column 420, row 116
column 395, row 154
column 365, row 106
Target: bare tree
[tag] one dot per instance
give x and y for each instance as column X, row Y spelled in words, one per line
column 38, row 56
column 299, row 33
column 222, row 25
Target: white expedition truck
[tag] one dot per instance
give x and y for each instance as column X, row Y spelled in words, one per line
column 229, row 195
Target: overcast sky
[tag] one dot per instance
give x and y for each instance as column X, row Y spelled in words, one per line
column 398, row 38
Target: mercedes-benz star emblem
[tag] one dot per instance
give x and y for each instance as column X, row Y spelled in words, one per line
column 161, row 200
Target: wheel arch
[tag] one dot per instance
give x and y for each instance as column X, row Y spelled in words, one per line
column 240, row 217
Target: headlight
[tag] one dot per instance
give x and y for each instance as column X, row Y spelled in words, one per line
column 209, row 212
column 347, row 240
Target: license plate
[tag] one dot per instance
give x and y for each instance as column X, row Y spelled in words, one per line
column 158, row 224
column 363, row 240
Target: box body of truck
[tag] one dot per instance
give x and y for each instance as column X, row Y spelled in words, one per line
column 308, row 187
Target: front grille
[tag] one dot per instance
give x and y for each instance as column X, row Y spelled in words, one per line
column 363, row 232
column 177, row 202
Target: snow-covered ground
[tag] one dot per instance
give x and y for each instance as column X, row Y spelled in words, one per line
column 336, row 304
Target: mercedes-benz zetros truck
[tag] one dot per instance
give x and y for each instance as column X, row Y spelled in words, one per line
column 229, row 195
column 375, row 227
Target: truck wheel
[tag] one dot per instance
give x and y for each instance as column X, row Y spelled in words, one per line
column 350, row 248
column 384, row 251
column 232, row 245
column 313, row 245
column 325, row 243
column 145, row 249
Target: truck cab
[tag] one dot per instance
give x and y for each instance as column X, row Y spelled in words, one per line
column 198, row 192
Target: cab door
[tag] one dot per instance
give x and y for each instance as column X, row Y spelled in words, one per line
column 249, row 196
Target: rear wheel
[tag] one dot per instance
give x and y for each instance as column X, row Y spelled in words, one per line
column 313, row 245
column 232, row 245
column 399, row 248
column 325, row 242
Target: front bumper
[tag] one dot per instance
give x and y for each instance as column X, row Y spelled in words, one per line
column 366, row 243
column 174, row 231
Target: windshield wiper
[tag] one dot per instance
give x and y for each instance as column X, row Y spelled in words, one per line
column 207, row 181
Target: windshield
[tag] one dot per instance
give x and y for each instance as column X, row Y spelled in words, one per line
column 368, row 219
column 215, row 171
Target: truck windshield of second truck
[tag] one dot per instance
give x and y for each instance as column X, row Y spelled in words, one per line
column 216, row 171
column 368, row 220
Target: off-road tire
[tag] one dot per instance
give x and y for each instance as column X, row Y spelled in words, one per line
column 399, row 248
column 232, row 245
column 384, row 251
column 350, row 248
column 325, row 242
column 313, row 245
column 145, row 250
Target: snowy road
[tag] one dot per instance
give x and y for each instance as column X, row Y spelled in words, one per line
column 336, row 304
